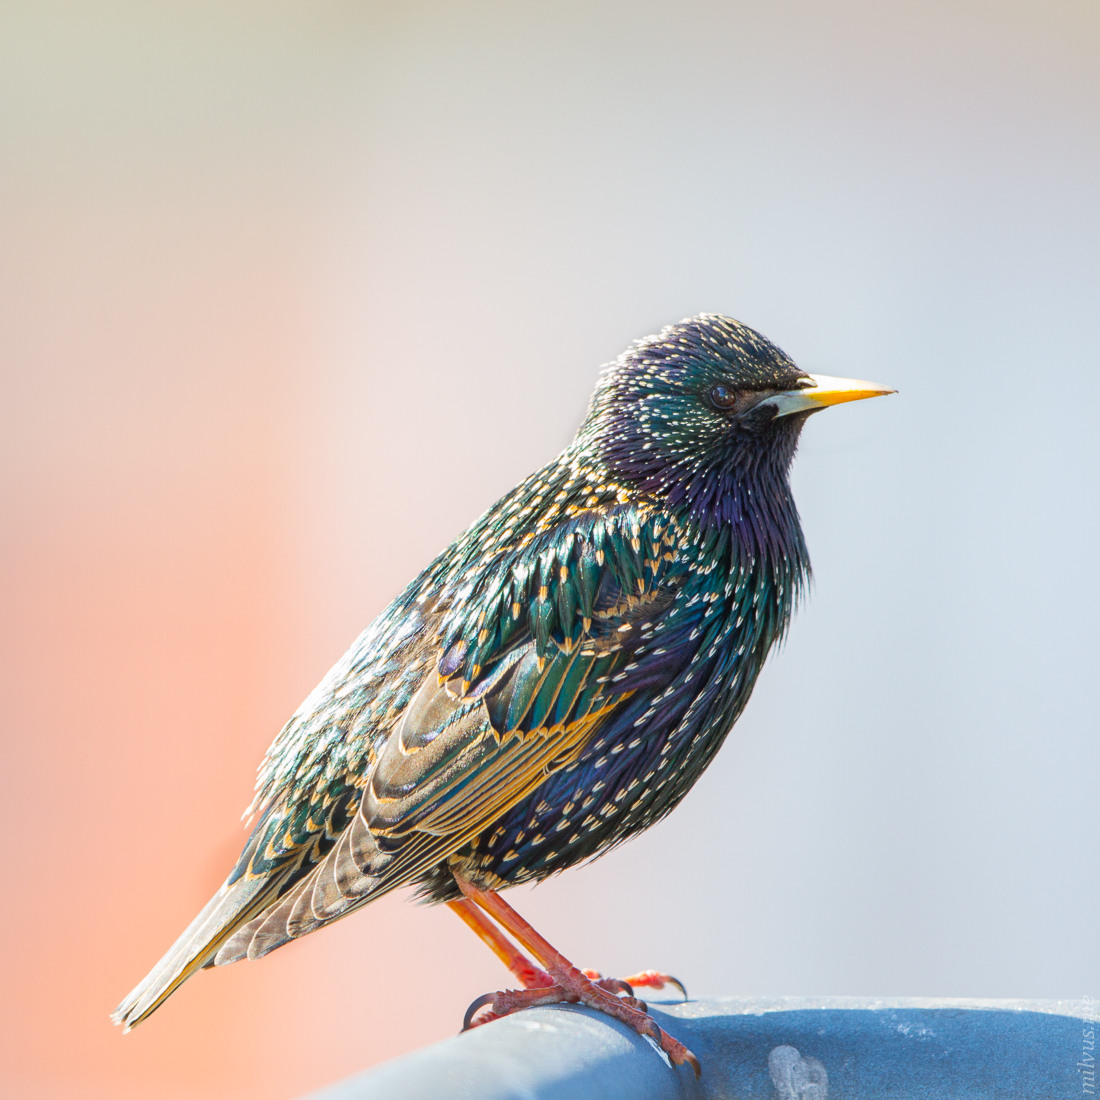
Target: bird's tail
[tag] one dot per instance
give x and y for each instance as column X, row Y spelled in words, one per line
column 232, row 906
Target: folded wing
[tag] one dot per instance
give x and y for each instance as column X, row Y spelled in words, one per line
column 527, row 657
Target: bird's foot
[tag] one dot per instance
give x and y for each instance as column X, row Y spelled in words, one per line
column 560, row 981
column 644, row 979
column 534, row 978
column 572, row 986
column 538, row 988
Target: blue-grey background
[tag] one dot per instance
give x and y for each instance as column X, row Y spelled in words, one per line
column 291, row 292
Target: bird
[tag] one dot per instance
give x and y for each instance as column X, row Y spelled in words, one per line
column 553, row 683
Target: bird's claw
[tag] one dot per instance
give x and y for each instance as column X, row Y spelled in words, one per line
column 644, row 979
column 471, row 1012
column 611, row 996
column 656, row 979
column 612, row 985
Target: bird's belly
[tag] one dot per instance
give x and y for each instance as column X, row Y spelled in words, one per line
column 619, row 787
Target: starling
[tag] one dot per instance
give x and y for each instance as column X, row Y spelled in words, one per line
column 553, row 683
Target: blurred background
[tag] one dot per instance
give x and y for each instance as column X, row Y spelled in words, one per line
column 290, row 292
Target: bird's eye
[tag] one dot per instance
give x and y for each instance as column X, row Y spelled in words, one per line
column 722, row 397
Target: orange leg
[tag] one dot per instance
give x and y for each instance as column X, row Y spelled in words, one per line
column 490, row 935
column 569, row 984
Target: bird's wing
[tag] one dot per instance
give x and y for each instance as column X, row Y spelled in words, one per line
column 532, row 656
column 494, row 679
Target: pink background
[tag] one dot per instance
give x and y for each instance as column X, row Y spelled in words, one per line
column 290, row 292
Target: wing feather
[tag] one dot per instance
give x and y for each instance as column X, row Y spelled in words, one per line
column 498, row 686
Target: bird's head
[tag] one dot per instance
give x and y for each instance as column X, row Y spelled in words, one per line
column 706, row 406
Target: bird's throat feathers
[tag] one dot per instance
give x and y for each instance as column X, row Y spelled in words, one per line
column 744, row 489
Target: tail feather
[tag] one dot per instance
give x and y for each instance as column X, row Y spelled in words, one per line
column 232, row 906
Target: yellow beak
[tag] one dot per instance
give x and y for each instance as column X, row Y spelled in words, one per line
column 824, row 391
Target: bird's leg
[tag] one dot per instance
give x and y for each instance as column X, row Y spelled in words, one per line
column 530, row 975
column 570, row 984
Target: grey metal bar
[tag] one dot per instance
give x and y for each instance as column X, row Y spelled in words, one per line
column 752, row 1049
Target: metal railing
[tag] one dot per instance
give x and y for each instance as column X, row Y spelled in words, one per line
column 786, row 1048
